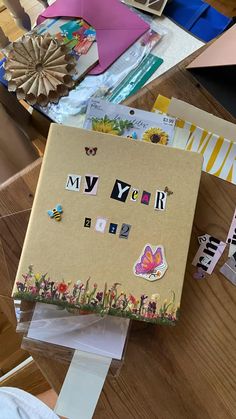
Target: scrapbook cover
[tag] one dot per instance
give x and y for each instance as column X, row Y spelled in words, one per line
column 110, row 226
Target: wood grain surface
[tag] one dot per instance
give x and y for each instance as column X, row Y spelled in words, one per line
column 182, row 372
column 11, row 353
column 28, row 378
column 16, row 198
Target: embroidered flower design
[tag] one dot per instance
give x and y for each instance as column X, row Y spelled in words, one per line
column 87, row 297
column 62, row 287
column 156, row 136
column 132, row 299
column 110, row 126
column 105, row 127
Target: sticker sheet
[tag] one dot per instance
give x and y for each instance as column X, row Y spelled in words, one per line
column 110, row 226
column 209, row 252
column 80, row 38
column 128, row 122
column 231, row 239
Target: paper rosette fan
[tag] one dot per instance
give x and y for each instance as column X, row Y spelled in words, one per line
column 39, row 69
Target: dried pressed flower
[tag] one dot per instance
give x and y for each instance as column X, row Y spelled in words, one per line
column 39, row 69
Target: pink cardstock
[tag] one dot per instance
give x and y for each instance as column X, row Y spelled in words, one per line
column 117, row 27
column 209, row 253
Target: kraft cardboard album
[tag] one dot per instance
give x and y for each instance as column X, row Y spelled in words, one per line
column 110, row 226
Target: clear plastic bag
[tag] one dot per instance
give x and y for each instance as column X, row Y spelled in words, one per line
column 71, row 109
column 58, row 332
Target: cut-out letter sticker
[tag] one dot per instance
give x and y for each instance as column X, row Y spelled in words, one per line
column 56, row 213
column 134, row 194
column 202, row 239
column 73, row 183
column 87, row 222
column 151, row 264
column 229, row 269
column 160, row 200
column 125, row 230
column 120, row 191
column 231, row 239
column 113, row 228
column 209, row 252
column 90, row 184
column 100, row 224
column 145, row 198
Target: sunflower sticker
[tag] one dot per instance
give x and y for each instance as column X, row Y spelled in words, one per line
column 111, row 126
column 134, row 124
column 156, row 136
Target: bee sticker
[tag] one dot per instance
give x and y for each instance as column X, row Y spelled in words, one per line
column 133, row 136
column 56, row 212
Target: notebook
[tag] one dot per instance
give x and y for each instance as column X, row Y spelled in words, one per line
column 110, row 226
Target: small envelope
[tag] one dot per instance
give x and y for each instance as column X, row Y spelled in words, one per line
column 215, row 69
column 117, row 27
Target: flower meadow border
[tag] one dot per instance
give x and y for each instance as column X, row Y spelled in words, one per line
column 86, row 297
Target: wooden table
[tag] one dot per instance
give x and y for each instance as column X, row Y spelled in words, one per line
column 182, row 372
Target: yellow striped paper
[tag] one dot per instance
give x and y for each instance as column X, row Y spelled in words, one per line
column 219, row 153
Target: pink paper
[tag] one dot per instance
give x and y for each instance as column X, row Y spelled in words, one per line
column 219, row 53
column 117, row 27
column 209, row 253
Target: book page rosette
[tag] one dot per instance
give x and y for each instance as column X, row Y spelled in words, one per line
column 39, row 69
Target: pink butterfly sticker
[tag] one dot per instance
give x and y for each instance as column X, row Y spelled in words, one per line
column 152, row 264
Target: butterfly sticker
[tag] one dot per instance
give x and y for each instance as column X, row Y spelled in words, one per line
column 91, row 151
column 152, row 264
column 167, row 190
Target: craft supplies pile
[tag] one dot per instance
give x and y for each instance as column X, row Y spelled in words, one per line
column 108, row 238
column 117, row 225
